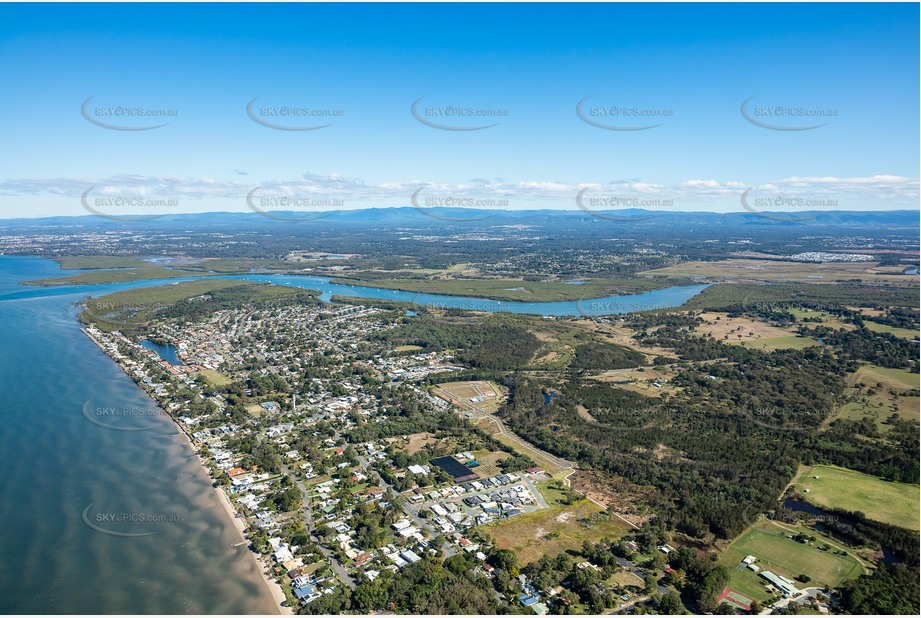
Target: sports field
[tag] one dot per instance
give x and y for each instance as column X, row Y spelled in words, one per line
column 736, row 599
column 407, row 348
column 784, row 556
column 840, row 488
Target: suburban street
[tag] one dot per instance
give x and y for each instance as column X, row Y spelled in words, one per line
column 340, row 570
column 407, row 508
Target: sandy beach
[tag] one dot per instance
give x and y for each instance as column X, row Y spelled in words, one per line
column 273, row 586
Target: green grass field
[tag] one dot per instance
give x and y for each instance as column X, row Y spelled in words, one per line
column 552, row 495
column 879, row 408
column 777, row 553
column 781, row 271
column 725, row 295
column 489, row 462
column 119, row 275
column 240, row 265
column 407, row 348
column 84, row 262
column 871, row 374
column 135, row 269
column 827, row 319
column 892, row 503
column 878, row 393
column 885, row 328
column 215, row 378
column 516, row 289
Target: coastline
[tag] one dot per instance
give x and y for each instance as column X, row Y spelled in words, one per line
column 274, row 588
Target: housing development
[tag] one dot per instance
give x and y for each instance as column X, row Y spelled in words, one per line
column 323, row 509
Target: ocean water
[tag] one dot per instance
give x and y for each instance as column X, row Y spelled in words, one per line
column 60, row 469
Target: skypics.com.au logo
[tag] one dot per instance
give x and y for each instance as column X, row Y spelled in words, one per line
column 125, row 117
column 625, row 118
column 458, row 118
column 786, row 117
column 292, row 117
column 288, row 204
column 127, row 524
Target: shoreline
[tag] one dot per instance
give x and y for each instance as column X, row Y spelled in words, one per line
column 274, row 588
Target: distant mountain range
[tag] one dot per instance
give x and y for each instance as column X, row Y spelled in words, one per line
column 469, row 218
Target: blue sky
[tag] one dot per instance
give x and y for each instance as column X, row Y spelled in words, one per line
column 686, row 68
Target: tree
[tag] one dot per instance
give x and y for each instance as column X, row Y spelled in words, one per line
column 670, row 604
column 458, row 564
column 650, row 583
column 889, row 590
column 288, row 500
column 504, row 559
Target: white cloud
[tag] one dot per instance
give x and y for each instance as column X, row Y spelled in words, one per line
column 891, row 190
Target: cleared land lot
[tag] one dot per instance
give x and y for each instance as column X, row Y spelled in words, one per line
column 892, row 503
column 482, row 395
column 623, row 336
column 887, row 377
column 879, row 392
column 489, row 463
column 215, row 378
column 554, row 530
column 827, row 319
column 627, row 578
column 780, row 343
column 415, row 442
column 778, row 271
column 641, row 380
column 751, row 332
column 778, row 554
